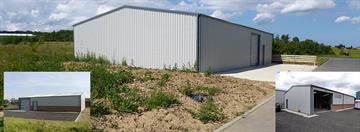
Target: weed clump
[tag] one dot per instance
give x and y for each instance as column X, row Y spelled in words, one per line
column 209, row 112
column 208, row 72
column 99, row 109
column 160, row 99
column 126, row 100
column 164, row 79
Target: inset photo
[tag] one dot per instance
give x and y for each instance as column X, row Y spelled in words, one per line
column 47, row 101
column 319, row 101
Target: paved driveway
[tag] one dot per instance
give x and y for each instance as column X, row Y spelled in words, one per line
column 61, row 116
column 340, row 64
column 343, row 121
column 268, row 72
column 262, row 119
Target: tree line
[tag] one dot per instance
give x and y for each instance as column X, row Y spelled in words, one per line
column 55, row 36
column 285, row 45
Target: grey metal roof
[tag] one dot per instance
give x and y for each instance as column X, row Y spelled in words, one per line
column 320, row 88
column 167, row 11
column 137, row 7
column 53, row 95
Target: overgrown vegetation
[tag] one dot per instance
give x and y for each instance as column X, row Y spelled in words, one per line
column 29, row 125
column 209, row 112
column 161, row 99
column 163, row 80
column 189, row 90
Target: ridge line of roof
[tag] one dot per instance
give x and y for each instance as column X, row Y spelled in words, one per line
column 168, row 11
column 136, row 7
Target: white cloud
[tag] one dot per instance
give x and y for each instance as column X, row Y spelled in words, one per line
column 53, row 15
column 103, row 8
column 34, row 13
column 267, row 12
column 353, row 20
column 222, row 15
column 355, row 4
column 262, row 18
column 13, row 27
column 301, row 6
column 342, row 19
column 58, row 16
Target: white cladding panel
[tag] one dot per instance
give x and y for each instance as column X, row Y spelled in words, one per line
column 338, row 98
column 299, row 99
column 225, row 46
column 57, row 101
column 149, row 39
column 349, row 99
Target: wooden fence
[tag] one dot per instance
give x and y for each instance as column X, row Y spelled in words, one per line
column 295, row 59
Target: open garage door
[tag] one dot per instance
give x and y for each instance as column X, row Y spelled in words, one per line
column 322, row 101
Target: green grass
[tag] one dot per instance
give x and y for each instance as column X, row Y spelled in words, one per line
column 161, row 99
column 30, row 125
column 321, row 60
column 353, row 53
column 188, row 90
column 164, row 79
column 209, row 112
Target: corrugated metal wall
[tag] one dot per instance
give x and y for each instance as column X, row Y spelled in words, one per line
column 149, row 39
column 57, row 101
column 300, row 98
column 225, row 46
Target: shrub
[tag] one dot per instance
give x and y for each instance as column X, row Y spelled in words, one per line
column 209, row 112
column 126, row 100
column 99, row 109
column 208, row 72
column 209, row 91
column 160, row 99
column 164, row 78
column 187, row 90
column 147, row 76
column 123, row 62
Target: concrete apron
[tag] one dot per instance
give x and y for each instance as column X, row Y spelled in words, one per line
column 223, row 127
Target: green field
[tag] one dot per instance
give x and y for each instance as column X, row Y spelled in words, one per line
column 30, row 125
column 353, row 53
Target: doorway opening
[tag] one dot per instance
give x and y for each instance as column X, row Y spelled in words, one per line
column 322, row 101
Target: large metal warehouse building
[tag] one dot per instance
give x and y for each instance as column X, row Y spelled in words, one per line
column 55, row 103
column 309, row 99
column 154, row 38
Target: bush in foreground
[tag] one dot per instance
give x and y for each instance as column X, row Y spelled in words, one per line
column 160, row 99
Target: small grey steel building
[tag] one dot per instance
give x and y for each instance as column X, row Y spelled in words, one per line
column 280, row 97
column 309, row 99
column 56, row 103
column 154, row 38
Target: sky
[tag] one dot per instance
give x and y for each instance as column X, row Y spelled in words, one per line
column 326, row 21
column 21, row 84
column 345, row 82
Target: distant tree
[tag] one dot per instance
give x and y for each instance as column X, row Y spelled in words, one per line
column 282, row 45
column 340, row 46
column 295, row 39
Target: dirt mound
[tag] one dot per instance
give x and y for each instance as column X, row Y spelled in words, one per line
column 236, row 97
